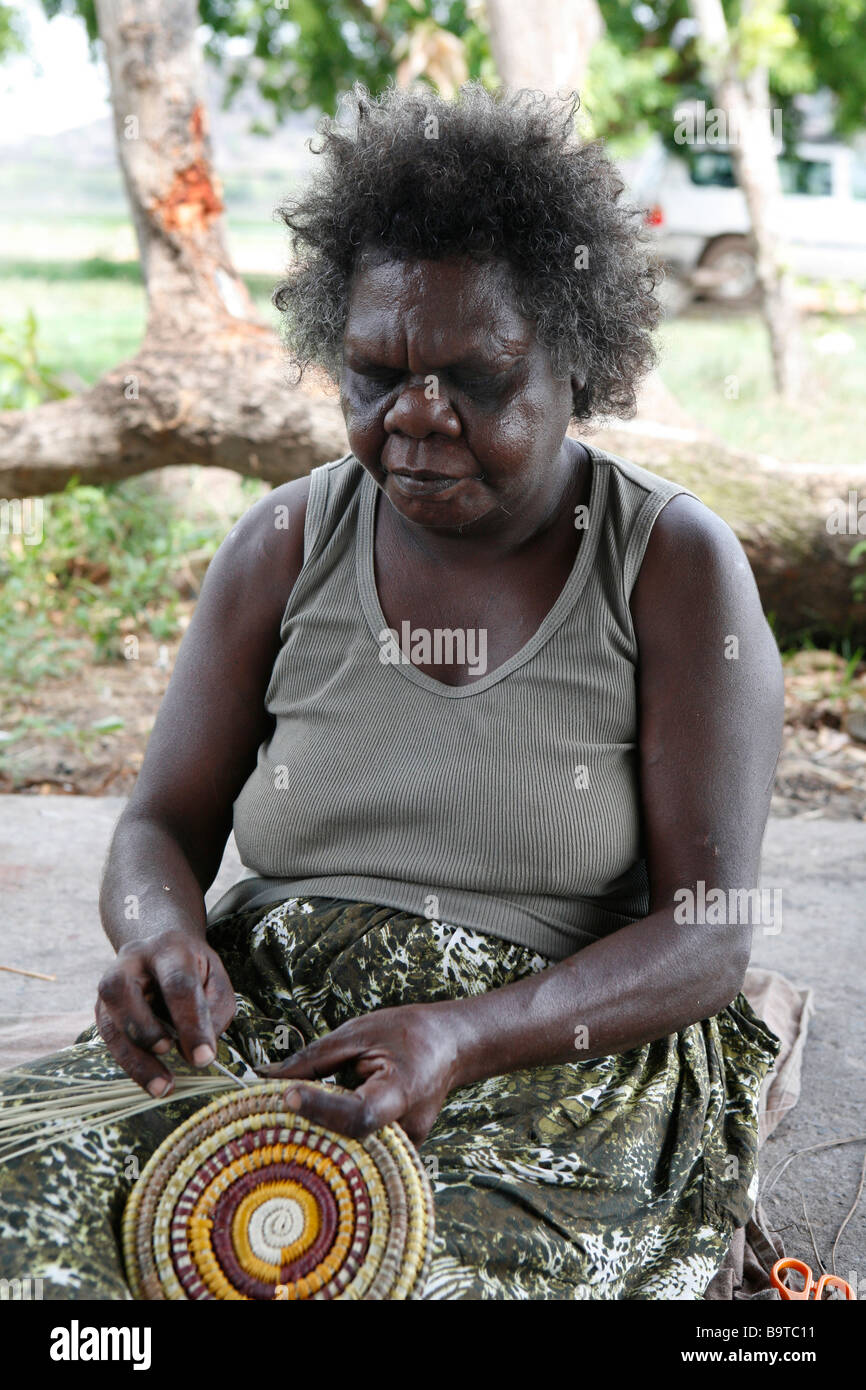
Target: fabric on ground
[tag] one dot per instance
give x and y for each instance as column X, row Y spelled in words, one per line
column 786, row 1009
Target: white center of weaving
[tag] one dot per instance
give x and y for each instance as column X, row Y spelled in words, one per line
column 278, row 1222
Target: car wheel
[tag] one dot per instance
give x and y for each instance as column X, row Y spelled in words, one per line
column 674, row 293
column 728, row 274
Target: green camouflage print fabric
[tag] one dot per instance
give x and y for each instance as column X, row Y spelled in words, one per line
column 620, row 1177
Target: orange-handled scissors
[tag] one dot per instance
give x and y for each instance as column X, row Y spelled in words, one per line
column 810, row 1289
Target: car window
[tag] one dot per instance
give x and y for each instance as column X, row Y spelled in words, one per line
column 813, row 177
column 712, row 169
column 858, row 176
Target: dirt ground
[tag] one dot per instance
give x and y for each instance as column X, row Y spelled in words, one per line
column 821, row 773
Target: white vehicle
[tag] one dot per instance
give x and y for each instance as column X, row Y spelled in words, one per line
column 702, row 224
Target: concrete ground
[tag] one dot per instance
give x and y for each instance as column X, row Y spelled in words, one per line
column 51, row 854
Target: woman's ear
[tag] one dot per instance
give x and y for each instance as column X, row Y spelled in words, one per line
column 578, row 392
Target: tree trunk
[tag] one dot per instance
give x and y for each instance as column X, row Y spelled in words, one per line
column 544, row 45
column 209, row 384
column 745, row 98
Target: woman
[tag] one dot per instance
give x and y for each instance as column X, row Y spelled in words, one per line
column 484, row 705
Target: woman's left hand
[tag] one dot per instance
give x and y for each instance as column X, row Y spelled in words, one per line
column 406, row 1059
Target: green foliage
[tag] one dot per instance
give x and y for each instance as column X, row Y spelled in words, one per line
column 108, row 557
column 304, row 53
column 627, row 94
column 805, row 44
column 858, row 583
column 833, row 32
column 13, row 36
column 25, row 379
column 104, row 567
column 767, row 37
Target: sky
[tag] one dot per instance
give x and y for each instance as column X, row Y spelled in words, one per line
column 54, row 86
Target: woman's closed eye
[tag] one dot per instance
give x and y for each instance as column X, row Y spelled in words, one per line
column 484, row 387
column 380, row 375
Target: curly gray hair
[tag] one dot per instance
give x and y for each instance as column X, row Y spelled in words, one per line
column 492, row 176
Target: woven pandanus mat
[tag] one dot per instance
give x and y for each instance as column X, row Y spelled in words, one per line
column 248, row 1200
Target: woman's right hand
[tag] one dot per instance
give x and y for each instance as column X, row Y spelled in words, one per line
column 196, row 993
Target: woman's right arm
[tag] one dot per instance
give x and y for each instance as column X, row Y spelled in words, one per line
column 169, row 842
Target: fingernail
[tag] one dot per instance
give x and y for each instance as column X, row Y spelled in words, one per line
column 158, row 1086
column 164, row 1045
column 203, row 1055
column 293, row 1099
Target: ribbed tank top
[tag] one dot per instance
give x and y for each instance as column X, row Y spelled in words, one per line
column 510, row 804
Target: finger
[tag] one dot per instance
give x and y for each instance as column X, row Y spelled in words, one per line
column 220, row 995
column 177, row 975
column 354, row 1113
column 120, row 991
column 319, row 1058
column 142, row 1066
column 140, row 1023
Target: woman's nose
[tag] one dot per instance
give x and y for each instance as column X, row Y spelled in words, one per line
column 420, row 410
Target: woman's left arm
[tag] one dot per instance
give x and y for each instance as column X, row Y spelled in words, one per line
column 710, row 697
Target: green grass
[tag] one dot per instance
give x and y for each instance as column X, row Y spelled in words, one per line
column 94, row 268
column 84, row 326
column 719, row 370
column 87, row 322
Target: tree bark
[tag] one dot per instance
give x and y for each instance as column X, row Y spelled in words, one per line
column 209, row 384
column 745, row 98
column 544, row 45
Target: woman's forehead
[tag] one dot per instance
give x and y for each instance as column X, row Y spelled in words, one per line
column 437, row 302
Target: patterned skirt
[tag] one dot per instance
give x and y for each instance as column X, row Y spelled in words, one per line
column 621, row 1177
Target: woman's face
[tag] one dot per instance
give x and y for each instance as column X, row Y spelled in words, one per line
column 448, row 396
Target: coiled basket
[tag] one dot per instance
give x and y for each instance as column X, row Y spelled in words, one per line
column 248, row 1200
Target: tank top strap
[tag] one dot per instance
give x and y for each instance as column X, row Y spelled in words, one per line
column 317, row 502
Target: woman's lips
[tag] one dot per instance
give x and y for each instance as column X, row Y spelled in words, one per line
column 426, row 484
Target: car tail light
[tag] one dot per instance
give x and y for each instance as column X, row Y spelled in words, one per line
column 654, row 217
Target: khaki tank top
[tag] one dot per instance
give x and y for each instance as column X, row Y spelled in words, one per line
column 509, row 804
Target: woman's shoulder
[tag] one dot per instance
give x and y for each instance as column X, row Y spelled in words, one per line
column 633, row 504
column 694, row 579
column 630, row 482
column 274, row 536
column 675, row 519
column 673, row 549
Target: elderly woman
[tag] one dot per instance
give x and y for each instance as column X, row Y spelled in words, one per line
column 490, row 711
